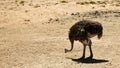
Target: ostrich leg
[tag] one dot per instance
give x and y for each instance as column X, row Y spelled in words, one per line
column 84, row 49
column 91, row 53
column 85, row 43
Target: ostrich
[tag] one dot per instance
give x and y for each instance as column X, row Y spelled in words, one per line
column 83, row 31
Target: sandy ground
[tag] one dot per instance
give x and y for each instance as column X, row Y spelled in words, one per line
column 34, row 33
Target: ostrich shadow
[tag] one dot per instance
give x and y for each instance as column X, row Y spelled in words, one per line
column 88, row 60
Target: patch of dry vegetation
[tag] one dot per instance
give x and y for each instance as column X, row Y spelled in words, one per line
column 91, row 2
column 22, row 2
column 36, row 6
column 102, row 3
column 63, row 1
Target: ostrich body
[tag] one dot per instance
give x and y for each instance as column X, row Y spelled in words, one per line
column 83, row 31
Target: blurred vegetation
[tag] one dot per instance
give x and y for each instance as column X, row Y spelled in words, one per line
column 91, row 2
column 103, row 3
column 63, row 1
column 22, row 2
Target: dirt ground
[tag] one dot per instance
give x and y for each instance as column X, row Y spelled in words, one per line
column 34, row 33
